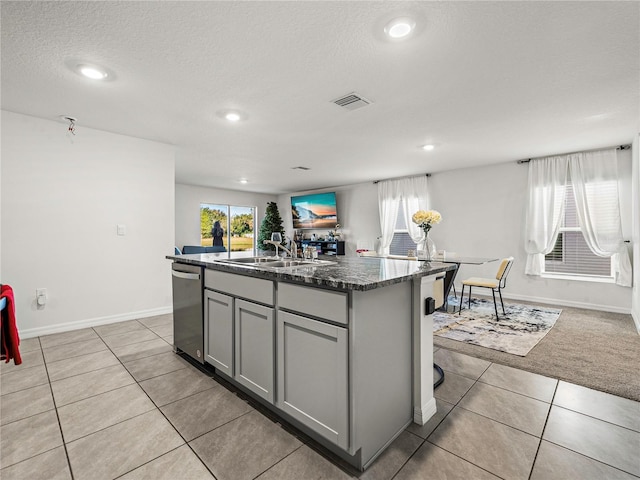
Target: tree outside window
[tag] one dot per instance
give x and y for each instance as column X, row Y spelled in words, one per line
column 238, row 223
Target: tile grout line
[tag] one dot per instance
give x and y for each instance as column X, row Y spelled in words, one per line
column 570, row 449
column 544, row 427
column 597, row 418
column 49, row 383
column 464, row 459
column 425, row 440
column 517, row 393
column 146, row 463
column 281, row 460
column 416, row 450
column 393, row 476
column 564, row 447
column 55, row 407
column 502, row 423
column 457, row 404
column 541, row 433
column 160, row 411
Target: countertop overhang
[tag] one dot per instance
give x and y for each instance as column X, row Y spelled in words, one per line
column 347, row 273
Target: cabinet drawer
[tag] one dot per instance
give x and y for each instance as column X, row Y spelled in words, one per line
column 251, row 288
column 314, row 301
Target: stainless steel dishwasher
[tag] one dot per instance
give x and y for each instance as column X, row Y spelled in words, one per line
column 188, row 322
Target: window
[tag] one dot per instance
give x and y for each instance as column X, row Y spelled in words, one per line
column 571, row 255
column 238, row 227
column 401, row 242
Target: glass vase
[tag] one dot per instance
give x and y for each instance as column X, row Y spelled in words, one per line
column 426, row 249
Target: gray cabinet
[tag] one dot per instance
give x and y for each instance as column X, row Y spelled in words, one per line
column 240, row 333
column 254, row 347
column 218, row 317
column 313, row 375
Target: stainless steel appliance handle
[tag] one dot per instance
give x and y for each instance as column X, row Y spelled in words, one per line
column 185, row 275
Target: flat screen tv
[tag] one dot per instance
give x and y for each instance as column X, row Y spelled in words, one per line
column 316, row 210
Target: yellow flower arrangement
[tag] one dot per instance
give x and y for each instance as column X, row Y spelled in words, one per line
column 425, row 219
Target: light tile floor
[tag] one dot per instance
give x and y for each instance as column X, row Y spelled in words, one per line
column 115, row 402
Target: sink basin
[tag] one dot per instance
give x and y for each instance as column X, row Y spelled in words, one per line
column 250, row 260
column 289, row 263
column 274, row 262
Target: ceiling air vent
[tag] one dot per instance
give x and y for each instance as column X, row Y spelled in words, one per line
column 352, row 101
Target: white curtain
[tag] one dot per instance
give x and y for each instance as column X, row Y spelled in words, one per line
column 414, row 198
column 545, row 208
column 592, row 174
column 388, row 201
column 412, row 192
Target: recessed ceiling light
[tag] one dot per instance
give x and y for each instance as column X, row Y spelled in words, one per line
column 92, row 72
column 400, row 27
column 231, row 116
column 244, row 180
column 428, row 147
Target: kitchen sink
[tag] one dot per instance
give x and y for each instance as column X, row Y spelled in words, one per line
column 289, row 263
column 274, row 262
column 250, row 260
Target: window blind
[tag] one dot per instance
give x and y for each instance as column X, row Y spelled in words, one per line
column 571, row 255
column 401, row 242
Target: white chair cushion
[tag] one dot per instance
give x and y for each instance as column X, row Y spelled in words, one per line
column 481, row 282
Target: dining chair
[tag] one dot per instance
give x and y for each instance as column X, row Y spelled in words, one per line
column 496, row 285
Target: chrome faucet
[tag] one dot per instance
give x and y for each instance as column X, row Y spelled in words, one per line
column 277, row 245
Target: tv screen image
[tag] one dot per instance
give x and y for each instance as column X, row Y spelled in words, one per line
column 316, row 210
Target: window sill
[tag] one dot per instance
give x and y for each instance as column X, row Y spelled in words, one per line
column 578, row 278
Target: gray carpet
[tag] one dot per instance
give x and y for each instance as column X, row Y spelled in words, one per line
column 599, row 350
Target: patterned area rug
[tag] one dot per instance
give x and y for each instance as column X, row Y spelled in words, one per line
column 517, row 332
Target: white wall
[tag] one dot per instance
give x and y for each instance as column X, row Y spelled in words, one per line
column 482, row 211
column 61, row 202
column 189, row 198
column 635, row 303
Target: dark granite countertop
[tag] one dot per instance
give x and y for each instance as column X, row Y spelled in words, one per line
column 347, row 273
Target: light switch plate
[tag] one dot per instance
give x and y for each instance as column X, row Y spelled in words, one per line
column 122, row 230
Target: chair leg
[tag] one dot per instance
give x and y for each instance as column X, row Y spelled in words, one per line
column 495, row 305
column 454, row 291
column 469, row 297
column 461, row 297
column 501, row 302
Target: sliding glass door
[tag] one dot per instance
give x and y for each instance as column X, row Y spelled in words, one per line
column 228, row 228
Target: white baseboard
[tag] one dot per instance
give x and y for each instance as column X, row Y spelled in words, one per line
column 93, row 322
column 569, row 303
column 636, row 319
column 558, row 302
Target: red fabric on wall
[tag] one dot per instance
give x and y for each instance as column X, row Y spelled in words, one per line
column 10, row 339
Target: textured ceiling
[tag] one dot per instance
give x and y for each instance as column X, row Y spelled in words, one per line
column 486, row 82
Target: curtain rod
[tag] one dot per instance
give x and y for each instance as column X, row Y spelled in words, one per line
column 398, row 178
column 620, row 147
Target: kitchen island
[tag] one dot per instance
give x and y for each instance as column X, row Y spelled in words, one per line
column 341, row 349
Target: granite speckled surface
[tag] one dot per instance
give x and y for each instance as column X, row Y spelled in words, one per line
column 347, row 273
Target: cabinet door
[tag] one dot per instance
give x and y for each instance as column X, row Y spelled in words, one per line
column 312, row 375
column 218, row 314
column 254, row 341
